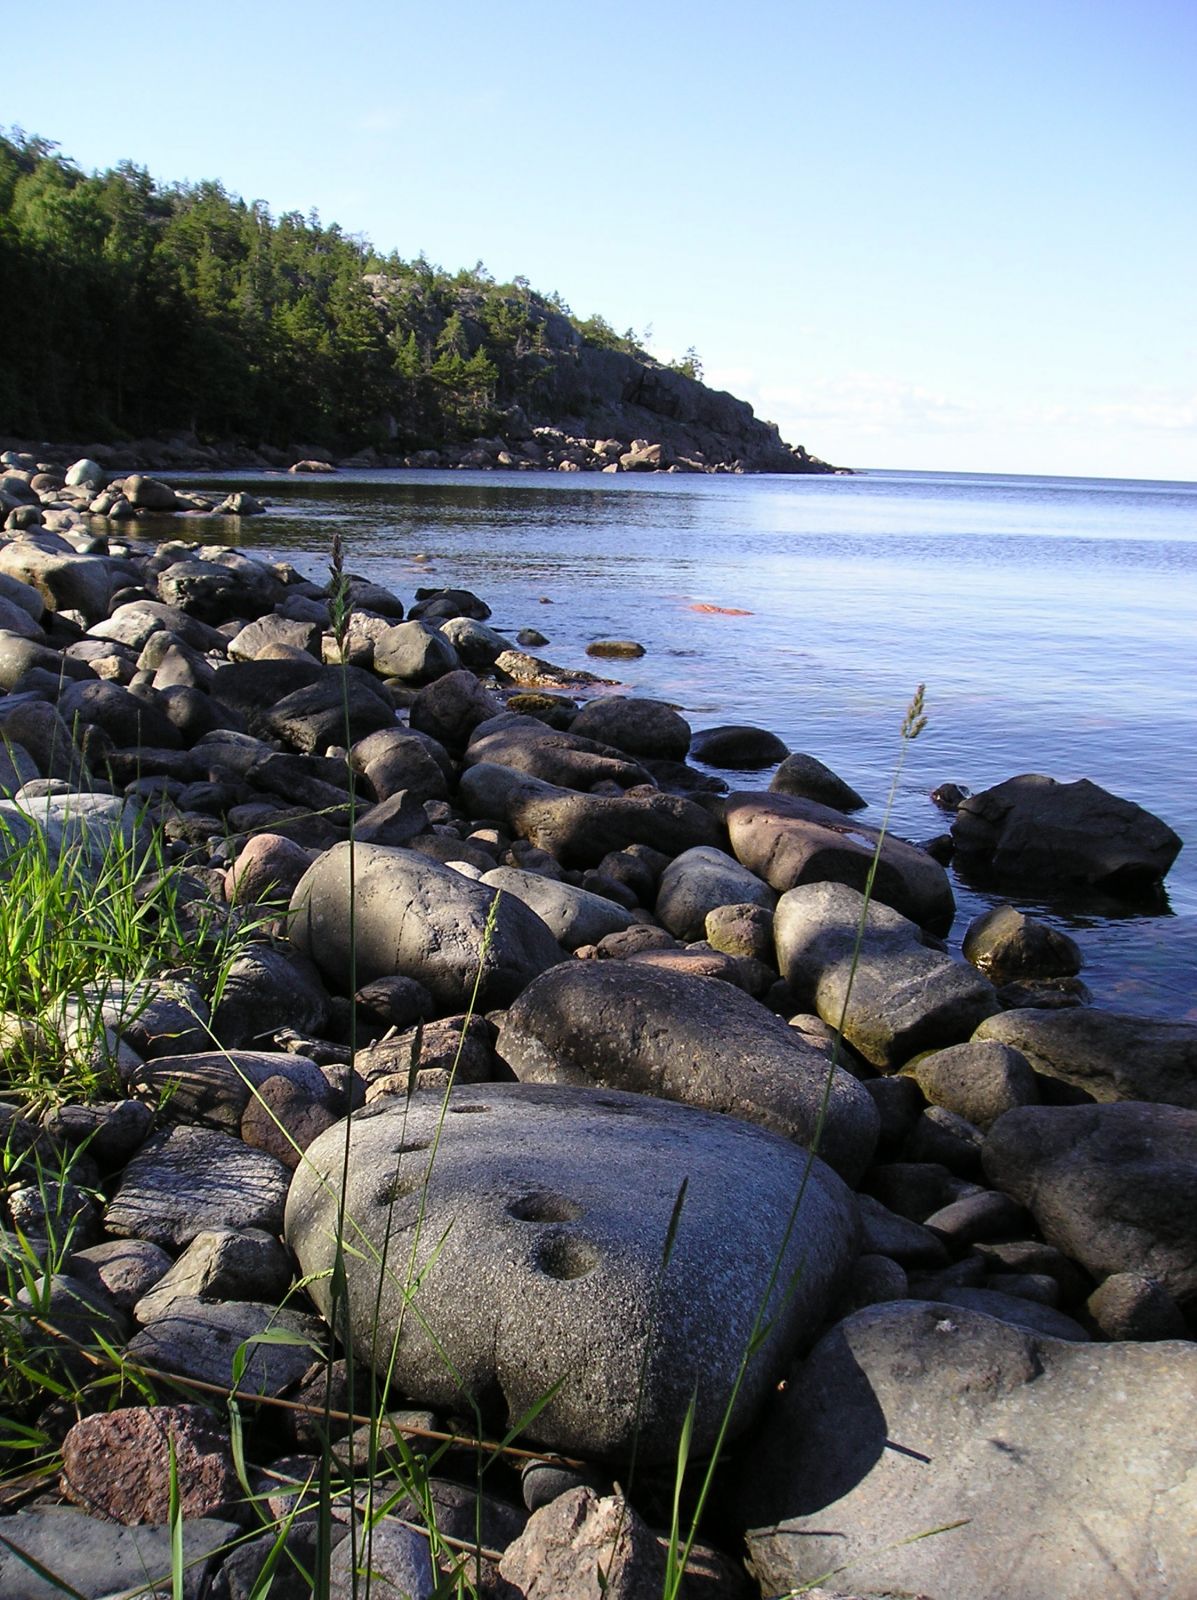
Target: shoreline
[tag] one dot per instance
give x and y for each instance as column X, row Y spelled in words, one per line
column 214, row 687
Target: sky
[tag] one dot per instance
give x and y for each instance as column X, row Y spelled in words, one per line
column 944, row 235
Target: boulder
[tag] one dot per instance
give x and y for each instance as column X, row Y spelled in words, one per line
column 629, row 1025
column 929, row 1450
column 449, row 709
column 580, row 829
column 148, row 494
column 1108, row 1054
column 416, row 918
column 98, row 1559
column 573, row 916
column 443, row 604
column 978, row 1081
column 1007, row 945
column 118, row 1464
column 477, row 645
column 698, row 882
column 526, row 744
column 788, row 841
column 902, row 997
column 393, row 760
column 414, row 654
column 808, row 778
column 538, row 1235
column 220, row 591
column 638, row 727
column 65, row 580
column 189, row 1179
column 1112, row 1186
column 742, row 748
column 1034, row 830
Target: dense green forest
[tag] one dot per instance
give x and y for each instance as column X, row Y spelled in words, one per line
column 133, row 307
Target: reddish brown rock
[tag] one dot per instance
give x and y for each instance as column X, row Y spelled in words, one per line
column 117, row 1464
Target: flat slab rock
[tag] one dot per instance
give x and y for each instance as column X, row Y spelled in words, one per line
column 1060, row 1471
column 200, row 1339
column 190, row 1179
column 1109, row 1054
column 98, row 1558
column 540, row 1229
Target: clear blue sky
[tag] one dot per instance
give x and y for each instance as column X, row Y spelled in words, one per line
column 938, row 234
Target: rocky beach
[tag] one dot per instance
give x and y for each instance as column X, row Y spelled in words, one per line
column 675, row 1125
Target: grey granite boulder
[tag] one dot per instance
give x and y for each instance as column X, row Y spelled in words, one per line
column 417, row 919
column 698, row 882
column 451, row 707
column 200, row 1339
column 580, row 829
column 904, row 997
column 537, row 1231
column 573, row 916
column 413, row 653
column 394, row 761
column 979, row 1080
column 930, row 1450
column 1113, row 1186
column 789, row 841
column 1032, row 829
column 627, row 1025
column 1005, row 944
column 1109, row 1054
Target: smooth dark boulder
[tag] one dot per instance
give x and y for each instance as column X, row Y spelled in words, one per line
column 737, row 746
column 628, row 1025
column 1007, row 945
column 1032, row 829
column 1054, row 1470
column 526, row 744
column 541, row 1257
column 699, row 882
column 809, row 779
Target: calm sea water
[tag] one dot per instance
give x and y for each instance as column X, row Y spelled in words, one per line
column 1051, row 619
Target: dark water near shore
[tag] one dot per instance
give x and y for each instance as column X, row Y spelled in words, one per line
column 1051, row 619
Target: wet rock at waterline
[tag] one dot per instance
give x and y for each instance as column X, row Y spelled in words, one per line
column 810, row 779
column 1056, row 1470
column 1032, row 829
column 904, row 997
column 417, row 919
column 627, row 1025
column 789, row 841
column 547, row 1212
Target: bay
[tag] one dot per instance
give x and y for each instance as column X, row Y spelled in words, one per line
column 1051, row 619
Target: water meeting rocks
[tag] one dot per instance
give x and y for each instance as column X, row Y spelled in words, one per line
column 905, row 997
column 787, row 840
column 412, row 917
column 1053, row 1470
column 626, row 1025
column 542, row 1255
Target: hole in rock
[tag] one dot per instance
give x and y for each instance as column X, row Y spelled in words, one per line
column 410, row 1146
column 459, row 1111
column 565, row 1256
column 543, row 1208
column 400, row 1186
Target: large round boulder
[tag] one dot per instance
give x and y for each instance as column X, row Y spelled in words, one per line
column 628, row 1025
column 578, row 1247
column 402, row 914
column 574, row 916
column 1111, row 1055
column 698, row 882
column 930, row 1450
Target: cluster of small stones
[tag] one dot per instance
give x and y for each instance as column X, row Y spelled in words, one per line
column 39, row 494
column 1020, row 1163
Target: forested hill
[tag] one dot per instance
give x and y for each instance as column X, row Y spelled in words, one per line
column 133, row 308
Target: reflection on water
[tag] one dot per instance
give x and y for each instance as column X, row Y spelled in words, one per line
column 1051, row 620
